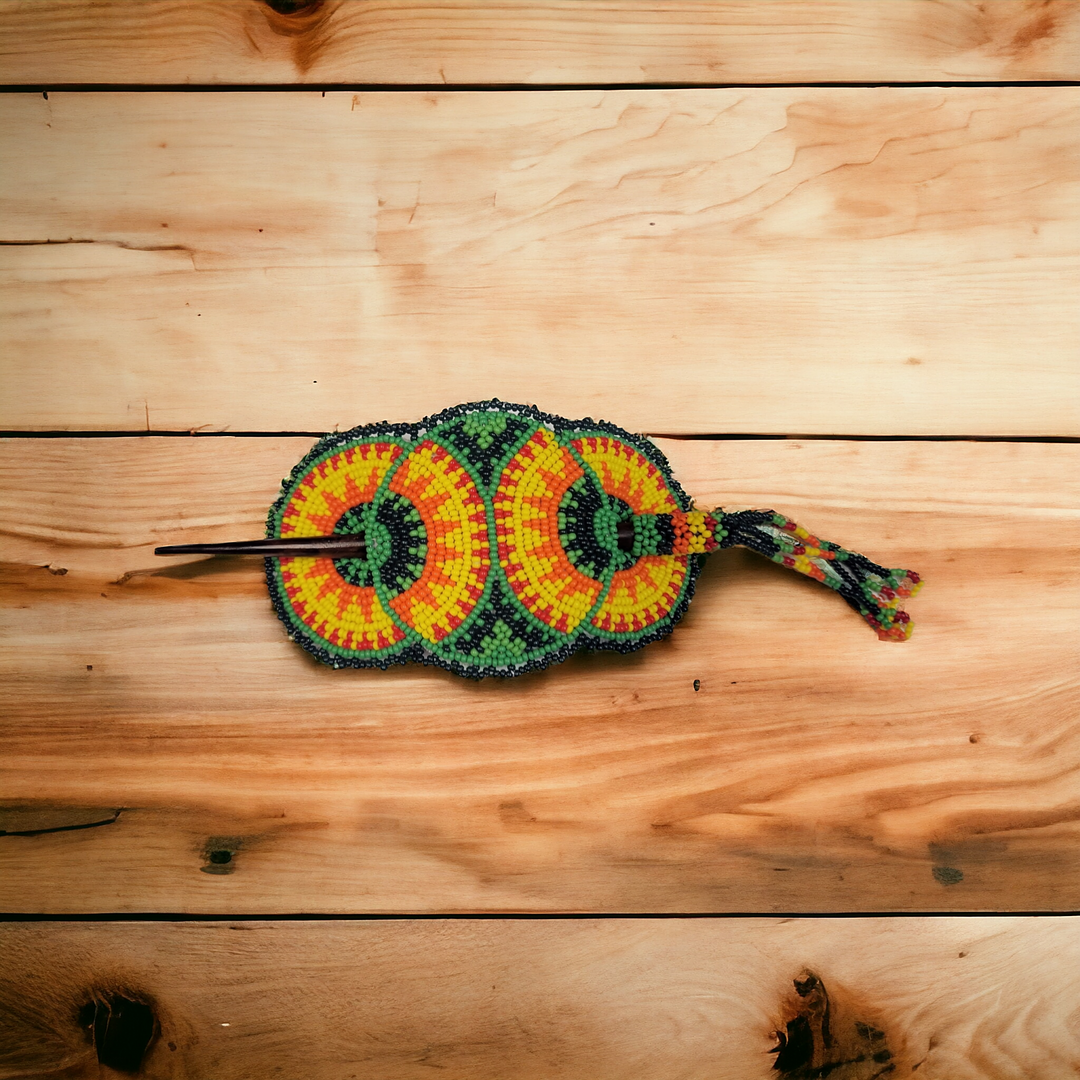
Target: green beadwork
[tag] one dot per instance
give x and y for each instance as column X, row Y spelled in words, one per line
column 499, row 539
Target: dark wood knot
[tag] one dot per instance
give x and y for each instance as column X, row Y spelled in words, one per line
column 294, row 7
column 121, row 1029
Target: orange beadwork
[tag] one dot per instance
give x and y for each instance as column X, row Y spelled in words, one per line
column 625, row 473
column 458, row 561
column 531, row 555
column 646, row 592
column 496, row 539
column 694, row 533
column 348, row 616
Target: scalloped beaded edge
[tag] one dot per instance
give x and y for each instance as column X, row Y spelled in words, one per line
column 587, row 641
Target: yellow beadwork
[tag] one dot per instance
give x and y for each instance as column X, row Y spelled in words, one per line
column 336, row 485
column 647, row 591
column 642, row 595
column 493, row 539
column 627, row 474
column 526, row 505
column 349, row 616
column 458, row 562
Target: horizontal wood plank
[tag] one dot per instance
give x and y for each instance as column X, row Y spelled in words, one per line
column 703, row 999
column 811, row 261
column 158, row 704
column 524, row 41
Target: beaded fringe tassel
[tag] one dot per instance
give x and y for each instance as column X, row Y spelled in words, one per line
column 873, row 591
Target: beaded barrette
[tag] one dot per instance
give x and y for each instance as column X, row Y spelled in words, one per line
column 493, row 539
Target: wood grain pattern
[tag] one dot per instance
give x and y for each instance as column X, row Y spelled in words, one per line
column 944, row 999
column 818, row 261
column 865, row 261
column 159, row 703
column 523, row 41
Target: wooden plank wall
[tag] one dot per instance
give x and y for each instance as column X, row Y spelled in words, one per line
column 703, row 999
column 815, row 768
column 853, row 303
column 811, row 261
column 553, row 42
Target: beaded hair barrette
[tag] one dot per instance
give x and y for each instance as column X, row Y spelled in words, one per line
column 494, row 539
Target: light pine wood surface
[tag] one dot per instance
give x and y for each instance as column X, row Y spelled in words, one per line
column 935, row 999
column 518, row 41
column 816, row 768
column 787, row 260
column 807, row 261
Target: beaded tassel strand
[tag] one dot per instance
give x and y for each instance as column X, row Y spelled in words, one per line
column 873, row 591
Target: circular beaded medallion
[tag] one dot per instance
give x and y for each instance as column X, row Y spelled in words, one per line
column 492, row 542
